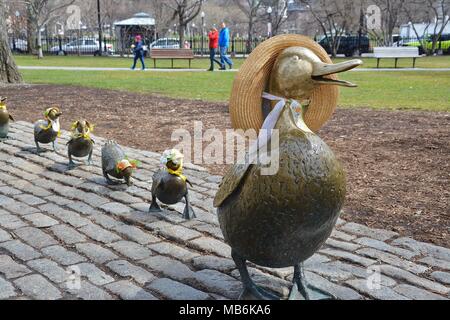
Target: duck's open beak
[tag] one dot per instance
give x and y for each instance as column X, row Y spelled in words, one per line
column 321, row 69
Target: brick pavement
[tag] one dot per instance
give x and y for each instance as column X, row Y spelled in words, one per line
column 55, row 222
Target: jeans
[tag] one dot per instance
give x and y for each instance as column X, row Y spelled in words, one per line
column 212, row 58
column 136, row 58
column 224, row 58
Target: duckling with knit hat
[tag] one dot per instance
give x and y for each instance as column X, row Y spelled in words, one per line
column 81, row 144
column 116, row 164
column 46, row 131
column 170, row 185
column 5, row 118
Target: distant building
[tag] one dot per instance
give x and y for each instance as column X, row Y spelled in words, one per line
column 423, row 29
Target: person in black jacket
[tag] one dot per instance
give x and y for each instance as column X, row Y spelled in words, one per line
column 138, row 50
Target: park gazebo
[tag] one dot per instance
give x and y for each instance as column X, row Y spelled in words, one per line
column 141, row 23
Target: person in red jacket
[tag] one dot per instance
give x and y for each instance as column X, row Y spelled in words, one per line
column 213, row 36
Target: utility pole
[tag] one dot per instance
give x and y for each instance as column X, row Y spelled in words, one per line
column 100, row 32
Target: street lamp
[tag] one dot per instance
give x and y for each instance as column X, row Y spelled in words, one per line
column 203, row 30
column 193, row 36
column 269, row 25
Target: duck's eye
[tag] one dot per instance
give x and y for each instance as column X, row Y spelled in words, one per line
column 295, row 58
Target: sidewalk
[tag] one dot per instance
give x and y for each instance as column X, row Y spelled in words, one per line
column 233, row 70
column 53, row 220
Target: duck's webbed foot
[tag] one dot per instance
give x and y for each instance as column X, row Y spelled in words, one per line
column 188, row 212
column 72, row 164
column 154, row 207
column 251, row 290
column 109, row 180
column 302, row 290
column 38, row 148
column 89, row 160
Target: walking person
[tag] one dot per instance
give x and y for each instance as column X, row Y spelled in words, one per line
column 213, row 36
column 224, row 42
column 138, row 50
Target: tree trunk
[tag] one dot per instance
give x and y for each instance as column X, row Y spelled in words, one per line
column 250, row 36
column 181, row 30
column 39, row 44
column 31, row 27
column 9, row 72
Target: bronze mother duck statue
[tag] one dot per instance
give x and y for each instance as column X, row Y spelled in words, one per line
column 281, row 220
column 5, row 118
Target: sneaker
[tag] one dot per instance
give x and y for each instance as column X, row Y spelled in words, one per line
column 231, row 66
column 210, row 69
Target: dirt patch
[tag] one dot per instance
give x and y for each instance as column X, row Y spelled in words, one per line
column 397, row 162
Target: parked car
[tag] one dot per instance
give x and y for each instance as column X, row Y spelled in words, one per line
column 84, row 46
column 443, row 43
column 166, row 43
column 349, row 45
column 18, row 45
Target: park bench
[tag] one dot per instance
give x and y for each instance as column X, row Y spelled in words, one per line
column 396, row 53
column 172, row 54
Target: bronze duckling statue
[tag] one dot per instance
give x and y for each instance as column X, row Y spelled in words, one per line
column 116, row 164
column 46, row 131
column 281, row 220
column 5, row 118
column 170, row 185
column 81, row 144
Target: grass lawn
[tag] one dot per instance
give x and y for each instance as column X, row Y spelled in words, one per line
column 199, row 63
column 387, row 90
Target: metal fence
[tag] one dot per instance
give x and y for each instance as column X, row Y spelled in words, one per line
column 349, row 46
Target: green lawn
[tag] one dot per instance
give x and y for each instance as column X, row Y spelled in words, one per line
column 199, row 63
column 387, row 90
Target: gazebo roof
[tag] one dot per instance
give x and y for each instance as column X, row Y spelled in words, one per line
column 139, row 19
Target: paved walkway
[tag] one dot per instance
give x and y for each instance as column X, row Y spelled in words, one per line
column 233, row 70
column 54, row 222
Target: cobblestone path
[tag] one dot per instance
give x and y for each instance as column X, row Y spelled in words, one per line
column 54, row 222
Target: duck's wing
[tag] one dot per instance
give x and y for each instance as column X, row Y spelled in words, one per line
column 109, row 160
column 38, row 126
column 231, row 182
column 157, row 180
column 70, row 141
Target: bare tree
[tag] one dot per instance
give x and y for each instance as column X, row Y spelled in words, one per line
column 391, row 15
column 435, row 15
column 40, row 12
column 185, row 11
column 334, row 19
column 162, row 17
column 279, row 14
column 9, row 72
column 250, row 8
